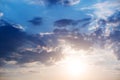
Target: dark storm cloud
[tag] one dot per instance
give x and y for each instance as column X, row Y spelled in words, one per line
column 36, row 21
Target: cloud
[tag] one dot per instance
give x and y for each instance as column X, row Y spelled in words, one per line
column 71, row 22
column 64, row 22
column 1, row 14
column 46, row 47
column 36, row 21
column 9, row 35
column 104, row 9
column 63, row 26
column 39, row 2
column 111, row 29
column 115, row 37
column 21, row 40
column 54, row 2
column 115, row 18
column 70, row 2
column 34, row 47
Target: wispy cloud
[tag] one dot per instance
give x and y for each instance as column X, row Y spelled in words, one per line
column 1, row 14
column 104, row 9
column 53, row 2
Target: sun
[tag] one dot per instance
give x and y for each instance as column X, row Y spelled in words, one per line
column 74, row 62
column 74, row 66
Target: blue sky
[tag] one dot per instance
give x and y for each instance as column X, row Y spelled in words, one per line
column 40, row 39
column 21, row 11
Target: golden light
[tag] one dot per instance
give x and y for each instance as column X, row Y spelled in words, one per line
column 74, row 63
column 75, row 66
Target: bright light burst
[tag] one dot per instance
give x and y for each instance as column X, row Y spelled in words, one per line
column 75, row 66
column 74, row 63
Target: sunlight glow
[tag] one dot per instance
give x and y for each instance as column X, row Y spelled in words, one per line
column 74, row 63
column 75, row 67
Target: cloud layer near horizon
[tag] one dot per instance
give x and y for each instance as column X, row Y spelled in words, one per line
column 45, row 47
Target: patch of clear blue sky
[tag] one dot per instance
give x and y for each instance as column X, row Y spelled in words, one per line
column 20, row 12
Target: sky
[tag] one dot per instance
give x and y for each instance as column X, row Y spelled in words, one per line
column 59, row 39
